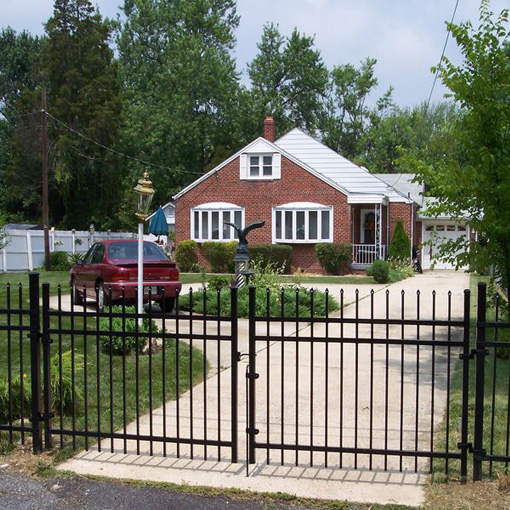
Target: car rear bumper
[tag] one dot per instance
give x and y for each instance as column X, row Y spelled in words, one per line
column 154, row 290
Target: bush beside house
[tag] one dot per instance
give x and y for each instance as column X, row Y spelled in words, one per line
column 334, row 257
column 400, row 247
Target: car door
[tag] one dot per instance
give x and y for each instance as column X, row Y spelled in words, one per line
column 80, row 275
column 86, row 278
column 97, row 266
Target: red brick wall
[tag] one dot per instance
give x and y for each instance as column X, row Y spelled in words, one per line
column 259, row 197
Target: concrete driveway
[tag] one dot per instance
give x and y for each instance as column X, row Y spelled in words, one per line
column 305, row 405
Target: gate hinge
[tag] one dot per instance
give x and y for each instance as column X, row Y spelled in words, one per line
column 470, row 355
column 38, row 335
column 465, row 446
column 252, row 431
column 47, row 340
column 249, row 375
column 46, row 416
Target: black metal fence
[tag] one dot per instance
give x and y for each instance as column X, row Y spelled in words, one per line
column 491, row 442
column 121, row 381
column 381, row 382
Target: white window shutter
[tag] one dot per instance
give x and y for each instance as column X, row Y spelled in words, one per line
column 243, row 166
column 277, row 165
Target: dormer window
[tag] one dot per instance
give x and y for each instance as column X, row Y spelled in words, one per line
column 261, row 165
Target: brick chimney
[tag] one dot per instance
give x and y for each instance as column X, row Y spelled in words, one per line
column 269, row 129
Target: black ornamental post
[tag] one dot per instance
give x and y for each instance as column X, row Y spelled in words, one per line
column 242, row 258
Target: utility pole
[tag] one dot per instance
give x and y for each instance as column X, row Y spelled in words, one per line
column 45, row 213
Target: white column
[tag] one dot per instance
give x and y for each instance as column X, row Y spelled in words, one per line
column 73, row 241
column 140, row 271
column 29, row 251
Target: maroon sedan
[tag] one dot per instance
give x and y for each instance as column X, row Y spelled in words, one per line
column 114, row 265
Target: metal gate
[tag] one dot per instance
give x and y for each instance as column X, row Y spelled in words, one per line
column 360, row 391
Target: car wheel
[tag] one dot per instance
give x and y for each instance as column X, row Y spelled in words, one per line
column 102, row 299
column 167, row 304
column 77, row 297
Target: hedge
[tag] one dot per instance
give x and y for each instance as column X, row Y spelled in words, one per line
column 186, row 256
column 219, row 255
column 279, row 254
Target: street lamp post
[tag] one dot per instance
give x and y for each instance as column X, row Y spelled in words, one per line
column 144, row 193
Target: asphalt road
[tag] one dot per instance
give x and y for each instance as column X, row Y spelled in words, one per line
column 21, row 492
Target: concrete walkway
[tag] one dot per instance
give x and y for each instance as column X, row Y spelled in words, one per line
column 308, row 391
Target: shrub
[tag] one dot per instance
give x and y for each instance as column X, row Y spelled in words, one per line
column 60, row 261
column 218, row 283
column 334, row 257
column 219, row 255
column 64, row 400
column 17, row 402
column 265, row 303
column 400, row 247
column 279, row 254
column 129, row 325
column 379, row 270
column 267, row 274
column 186, row 256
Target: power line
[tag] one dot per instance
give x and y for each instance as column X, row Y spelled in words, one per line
column 442, row 53
column 118, row 153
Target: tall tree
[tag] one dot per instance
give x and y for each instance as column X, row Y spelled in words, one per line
column 179, row 79
column 83, row 97
column 348, row 114
column 397, row 139
column 288, row 80
column 20, row 171
column 478, row 186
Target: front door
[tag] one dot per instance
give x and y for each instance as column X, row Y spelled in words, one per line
column 367, row 226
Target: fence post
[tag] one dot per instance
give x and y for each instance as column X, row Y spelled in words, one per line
column 478, row 451
column 35, row 361
column 251, row 376
column 465, row 357
column 46, row 342
column 234, row 353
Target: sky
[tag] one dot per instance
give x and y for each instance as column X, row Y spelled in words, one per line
column 405, row 36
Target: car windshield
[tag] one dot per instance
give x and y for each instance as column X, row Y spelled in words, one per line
column 129, row 251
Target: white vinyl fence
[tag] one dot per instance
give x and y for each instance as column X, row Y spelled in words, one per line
column 25, row 248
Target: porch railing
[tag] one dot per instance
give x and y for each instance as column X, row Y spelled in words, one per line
column 365, row 254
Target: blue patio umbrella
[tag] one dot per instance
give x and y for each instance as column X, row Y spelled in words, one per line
column 158, row 225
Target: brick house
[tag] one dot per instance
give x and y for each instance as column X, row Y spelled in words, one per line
column 305, row 192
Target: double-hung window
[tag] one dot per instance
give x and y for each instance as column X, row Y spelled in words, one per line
column 260, row 166
column 302, row 222
column 208, row 221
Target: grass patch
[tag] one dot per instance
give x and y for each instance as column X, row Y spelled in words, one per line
column 496, row 398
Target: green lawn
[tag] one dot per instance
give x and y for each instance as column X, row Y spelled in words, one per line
column 102, row 389
column 497, row 387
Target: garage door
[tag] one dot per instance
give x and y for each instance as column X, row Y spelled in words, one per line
column 439, row 231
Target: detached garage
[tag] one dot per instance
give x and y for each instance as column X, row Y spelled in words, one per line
column 439, row 230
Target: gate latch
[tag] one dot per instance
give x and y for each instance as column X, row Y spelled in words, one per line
column 250, row 375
